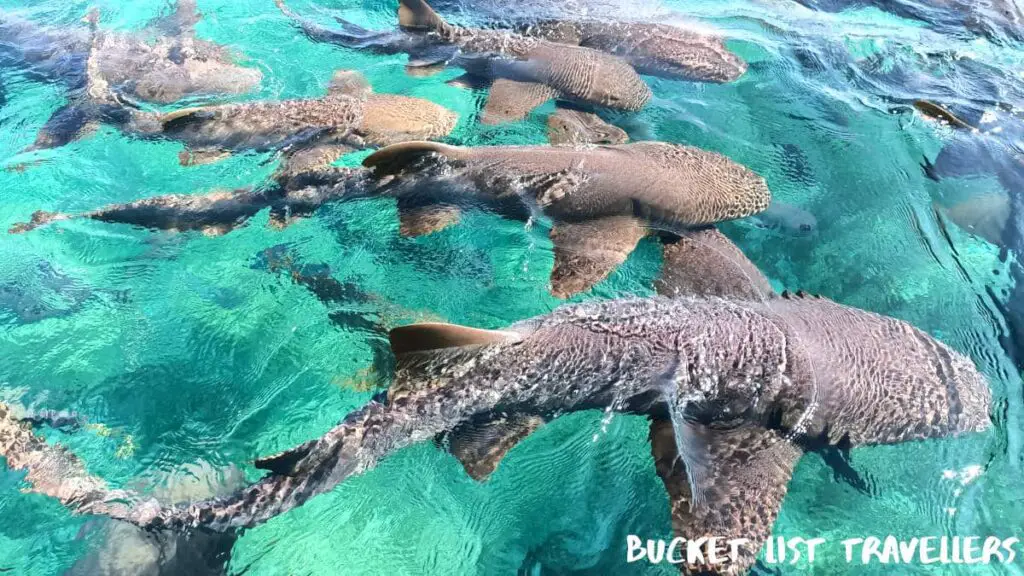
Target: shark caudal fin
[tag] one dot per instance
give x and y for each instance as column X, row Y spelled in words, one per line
column 393, row 159
column 418, row 15
column 39, row 218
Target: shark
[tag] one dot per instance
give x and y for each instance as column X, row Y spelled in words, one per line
column 738, row 384
column 602, row 199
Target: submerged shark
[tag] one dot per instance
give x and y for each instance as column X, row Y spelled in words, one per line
column 124, row 548
column 600, row 211
column 350, row 116
column 652, row 49
column 995, row 19
column 221, row 211
column 738, row 386
column 989, row 145
column 161, row 64
column 524, row 72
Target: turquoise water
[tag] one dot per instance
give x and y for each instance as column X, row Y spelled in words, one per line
column 187, row 351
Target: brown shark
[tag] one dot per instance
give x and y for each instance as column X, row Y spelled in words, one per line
column 351, row 114
column 738, row 388
column 600, row 208
column 524, row 72
column 652, row 49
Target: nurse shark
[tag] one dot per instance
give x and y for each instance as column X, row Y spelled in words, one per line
column 738, row 384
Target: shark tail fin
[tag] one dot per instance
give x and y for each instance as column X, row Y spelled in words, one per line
column 438, row 335
column 418, row 15
column 392, row 159
column 39, row 218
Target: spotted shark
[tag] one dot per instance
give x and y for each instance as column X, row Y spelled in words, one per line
column 163, row 63
column 522, row 72
column 738, row 383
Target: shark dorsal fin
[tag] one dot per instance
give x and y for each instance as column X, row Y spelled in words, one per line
column 438, row 335
column 285, row 463
column 418, row 15
column 393, row 159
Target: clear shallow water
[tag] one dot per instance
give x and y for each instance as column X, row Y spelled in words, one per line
column 187, row 350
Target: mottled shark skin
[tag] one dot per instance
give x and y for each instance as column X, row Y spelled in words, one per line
column 221, row 211
column 349, row 115
column 54, row 471
column 525, row 72
column 125, row 549
column 600, row 209
column 706, row 263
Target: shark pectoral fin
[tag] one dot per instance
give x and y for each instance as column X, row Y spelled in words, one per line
column 737, row 481
column 510, row 100
column 437, row 335
column 470, row 82
column 577, row 127
column 64, row 126
column 349, row 83
column 285, row 463
column 419, row 220
column 706, row 263
column 669, row 465
column 587, row 252
column 481, row 446
column 985, row 215
column 417, row 15
column 393, row 159
column 431, row 57
column 189, row 157
column 424, row 70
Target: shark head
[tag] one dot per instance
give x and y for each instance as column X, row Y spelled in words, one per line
column 392, row 118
